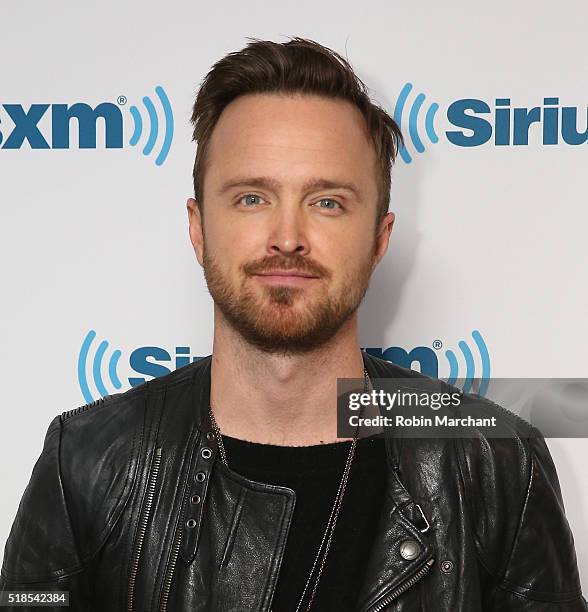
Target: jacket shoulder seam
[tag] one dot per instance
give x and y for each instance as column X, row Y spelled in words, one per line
column 468, row 488
column 58, row 574
column 76, row 565
column 530, row 465
column 497, row 574
column 68, row 513
column 540, row 596
column 150, row 386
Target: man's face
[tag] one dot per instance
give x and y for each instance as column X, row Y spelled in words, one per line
column 288, row 243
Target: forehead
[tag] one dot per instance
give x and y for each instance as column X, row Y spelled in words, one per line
column 291, row 137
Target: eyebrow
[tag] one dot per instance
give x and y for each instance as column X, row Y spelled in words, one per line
column 267, row 182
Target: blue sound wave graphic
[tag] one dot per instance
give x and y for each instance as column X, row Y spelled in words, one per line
column 154, row 125
column 96, row 370
column 469, row 364
column 413, row 121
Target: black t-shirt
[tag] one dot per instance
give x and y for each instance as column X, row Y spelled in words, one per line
column 314, row 473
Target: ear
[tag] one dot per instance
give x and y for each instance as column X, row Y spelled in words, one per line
column 195, row 228
column 383, row 237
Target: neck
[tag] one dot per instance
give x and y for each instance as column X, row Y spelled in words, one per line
column 287, row 400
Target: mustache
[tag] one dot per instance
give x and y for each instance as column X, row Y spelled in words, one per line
column 280, row 262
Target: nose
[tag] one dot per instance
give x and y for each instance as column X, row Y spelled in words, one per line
column 288, row 231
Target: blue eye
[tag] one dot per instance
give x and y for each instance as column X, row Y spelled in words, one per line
column 329, row 207
column 250, row 199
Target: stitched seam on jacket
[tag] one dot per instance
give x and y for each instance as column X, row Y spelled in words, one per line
column 108, row 529
column 468, row 491
column 50, row 577
column 154, row 385
column 109, row 400
column 60, row 572
column 231, row 536
column 266, row 601
column 515, row 541
column 73, row 535
column 532, row 595
column 512, row 587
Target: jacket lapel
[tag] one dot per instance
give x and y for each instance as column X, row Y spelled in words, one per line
column 403, row 546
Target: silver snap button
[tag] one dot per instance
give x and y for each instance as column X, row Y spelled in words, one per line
column 191, row 523
column 210, row 435
column 410, row 549
column 206, row 453
column 199, row 476
column 195, row 499
column 446, row 566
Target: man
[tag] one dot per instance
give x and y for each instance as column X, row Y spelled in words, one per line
column 223, row 486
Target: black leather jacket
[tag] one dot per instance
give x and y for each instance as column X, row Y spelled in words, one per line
column 129, row 508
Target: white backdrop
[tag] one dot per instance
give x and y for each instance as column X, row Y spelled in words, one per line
column 94, row 242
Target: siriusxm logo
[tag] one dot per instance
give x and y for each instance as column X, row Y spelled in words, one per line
column 98, row 373
column 26, row 125
column 476, row 122
column 428, row 361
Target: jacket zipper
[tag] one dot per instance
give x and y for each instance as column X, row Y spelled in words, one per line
column 143, row 527
column 407, row 584
column 167, row 580
column 170, row 573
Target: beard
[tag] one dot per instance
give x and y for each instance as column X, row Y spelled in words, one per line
column 285, row 319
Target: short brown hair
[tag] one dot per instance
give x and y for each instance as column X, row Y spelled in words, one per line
column 299, row 66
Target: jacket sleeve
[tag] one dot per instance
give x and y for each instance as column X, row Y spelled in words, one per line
column 540, row 572
column 40, row 553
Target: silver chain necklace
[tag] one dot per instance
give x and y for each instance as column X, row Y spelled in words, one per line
column 328, row 535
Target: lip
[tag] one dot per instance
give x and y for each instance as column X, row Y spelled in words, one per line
column 285, row 277
column 286, row 273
